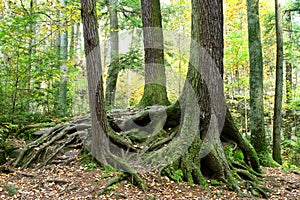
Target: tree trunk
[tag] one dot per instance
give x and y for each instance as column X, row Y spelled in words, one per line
column 113, row 69
column 279, row 85
column 155, row 91
column 74, row 40
column 100, row 146
column 32, row 28
column 63, row 67
column 202, row 102
column 95, row 81
column 257, row 122
column 288, row 78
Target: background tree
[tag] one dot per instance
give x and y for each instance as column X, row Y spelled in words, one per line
column 279, row 85
column 63, row 87
column 288, row 74
column 257, row 122
column 32, row 28
column 113, row 69
column 155, row 91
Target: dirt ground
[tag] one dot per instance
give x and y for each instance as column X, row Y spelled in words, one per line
column 76, row 182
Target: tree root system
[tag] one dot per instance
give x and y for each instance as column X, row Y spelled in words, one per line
column 138, row 134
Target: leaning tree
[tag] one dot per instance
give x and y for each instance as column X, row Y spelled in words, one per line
column 190, row 135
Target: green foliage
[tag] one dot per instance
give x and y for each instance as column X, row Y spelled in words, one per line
column 295, row 102
column 238, row 155
column 267, row 160
column 214, row 182
column 109, row 169
column 130, row 9
column 5, row 146
column 30, row 60
column 291, row 149
column 177, row 176
column 11, row 189
column 132, row 60
column 87, row 160
column 136, row 96
column 234, row 154
column 90, row 166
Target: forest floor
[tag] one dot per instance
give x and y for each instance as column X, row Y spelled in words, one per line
column 76, row 182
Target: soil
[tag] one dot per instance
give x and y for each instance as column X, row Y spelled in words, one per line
column 77, row 182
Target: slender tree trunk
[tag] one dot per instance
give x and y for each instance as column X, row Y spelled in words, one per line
column 95, row 80
column 113, row 69
column 72, row 42
column 257, row 122
column 288, row 78
column 155, row 91
column 32, row 28
column 63, row 67
column 56, row 84
column 279, row 85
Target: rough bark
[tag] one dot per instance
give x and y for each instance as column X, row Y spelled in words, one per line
column 257, row 122
column 230, row 132
column 95, row 81
column 206, row 52
column 113, row 69
column 279, row 85
column 155, row 77
column 100, row 146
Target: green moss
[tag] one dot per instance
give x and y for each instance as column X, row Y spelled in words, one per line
column 214, row 182
column 267, row 160
column 154, row 94
column 11, row 189
column 239, row 156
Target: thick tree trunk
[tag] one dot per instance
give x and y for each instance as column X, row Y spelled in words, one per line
column 279, row 85
column 206, row 156
column 206, row 54
column 113, row 69
column 155, row 91
column 257, row 122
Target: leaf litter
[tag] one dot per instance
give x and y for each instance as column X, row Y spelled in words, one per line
column 73, row 181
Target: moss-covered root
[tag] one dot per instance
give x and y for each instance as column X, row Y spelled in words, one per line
column 112, row 182
column 218, row 167
column 137, row 179
column 231, row 132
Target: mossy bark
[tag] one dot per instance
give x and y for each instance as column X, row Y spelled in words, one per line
column 154, row 94
column 257, row 121
column 155, row 91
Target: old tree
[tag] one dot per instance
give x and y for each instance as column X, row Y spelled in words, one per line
column 192, row 135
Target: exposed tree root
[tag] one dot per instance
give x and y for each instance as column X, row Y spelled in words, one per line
column 58, row 144
column 112, row 182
